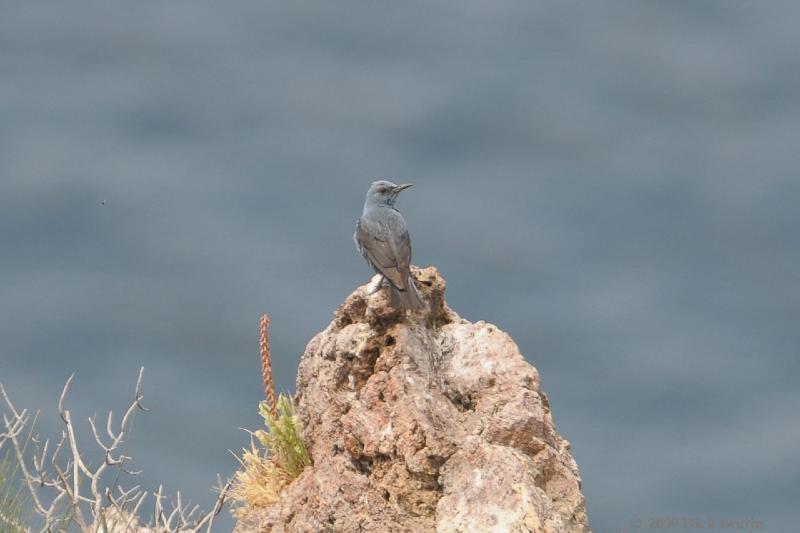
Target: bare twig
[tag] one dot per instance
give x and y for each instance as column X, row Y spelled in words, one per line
column 68, row 488
column 223, row 489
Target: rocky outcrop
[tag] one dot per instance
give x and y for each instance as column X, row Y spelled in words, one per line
column 423, row 422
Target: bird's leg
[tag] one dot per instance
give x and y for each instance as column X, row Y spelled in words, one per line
column 375, row 283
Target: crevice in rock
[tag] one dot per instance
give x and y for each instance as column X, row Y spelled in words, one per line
column 462, row 402
column 363, row 465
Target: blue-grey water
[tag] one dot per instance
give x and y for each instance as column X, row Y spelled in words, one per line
column 614, row 183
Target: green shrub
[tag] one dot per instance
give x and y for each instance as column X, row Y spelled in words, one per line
column 264, row 473
column 283, row 438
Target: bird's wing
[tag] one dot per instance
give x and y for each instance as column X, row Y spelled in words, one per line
column 403, row 252
column 383, row 256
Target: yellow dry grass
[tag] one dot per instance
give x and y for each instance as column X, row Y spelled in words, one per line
column 258, row 483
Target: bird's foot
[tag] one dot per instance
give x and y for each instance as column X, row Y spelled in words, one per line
column 374, row 284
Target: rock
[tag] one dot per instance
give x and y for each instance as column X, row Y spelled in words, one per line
column 423, row 422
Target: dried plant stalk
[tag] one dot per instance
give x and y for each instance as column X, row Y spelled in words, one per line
column 266, row 365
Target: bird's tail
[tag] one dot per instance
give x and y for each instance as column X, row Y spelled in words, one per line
column 406, row 299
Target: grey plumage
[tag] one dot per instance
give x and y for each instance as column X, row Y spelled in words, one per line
column 382, row 238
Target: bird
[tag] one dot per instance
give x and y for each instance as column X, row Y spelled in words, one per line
column 382, row 238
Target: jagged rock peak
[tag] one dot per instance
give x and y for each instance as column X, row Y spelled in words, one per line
column 423, row 421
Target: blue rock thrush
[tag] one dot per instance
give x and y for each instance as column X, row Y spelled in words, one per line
column 382, row 238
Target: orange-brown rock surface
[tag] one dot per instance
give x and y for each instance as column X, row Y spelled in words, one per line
column 423, row 422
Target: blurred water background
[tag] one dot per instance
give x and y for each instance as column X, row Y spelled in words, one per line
column 613, row 183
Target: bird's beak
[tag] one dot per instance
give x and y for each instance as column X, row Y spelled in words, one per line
column 402, row 187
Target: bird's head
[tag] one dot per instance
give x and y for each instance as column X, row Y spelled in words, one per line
column 384, row 192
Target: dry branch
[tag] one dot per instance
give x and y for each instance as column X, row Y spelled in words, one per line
column 66, row 490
